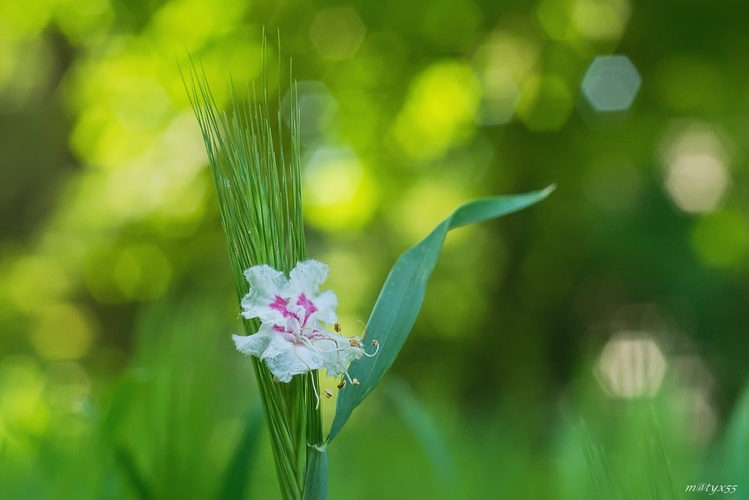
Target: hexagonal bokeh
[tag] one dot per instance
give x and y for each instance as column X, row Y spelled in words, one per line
column 631, row 365
column 696, row 176
column 317, row 108
column 337, row 32
column 611, row 84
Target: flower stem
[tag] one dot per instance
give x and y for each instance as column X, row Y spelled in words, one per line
column 258, row 187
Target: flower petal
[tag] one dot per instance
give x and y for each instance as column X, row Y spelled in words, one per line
column 306, row 278
column 254, row 344
column 265, row 284
column 295, row 361
column 338, row 361
column 278, row 345
column 326, row 304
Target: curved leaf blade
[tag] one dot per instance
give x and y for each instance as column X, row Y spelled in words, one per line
column 398, row 305
column 316, row 482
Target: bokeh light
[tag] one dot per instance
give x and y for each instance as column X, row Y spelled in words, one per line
column 424, row 206
column 502, row 64
column 22, row 407
column 611, row 84
column 695, row 396
column 338, row 192
column 317, row 108
column 407, row 110
column 696, row 177
column 64, row 332
column 631, row 365
column 600, row 19
column 337, row 32
column 584, row 19
column 425, row 128
column 721, row 239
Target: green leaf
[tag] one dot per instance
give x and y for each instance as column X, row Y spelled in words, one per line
column 316, row 482
column 402, row 294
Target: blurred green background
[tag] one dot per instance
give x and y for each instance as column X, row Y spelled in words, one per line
column 554, row 346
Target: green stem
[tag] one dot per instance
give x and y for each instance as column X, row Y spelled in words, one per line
column 260, row 201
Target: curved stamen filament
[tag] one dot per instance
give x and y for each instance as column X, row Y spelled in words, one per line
column 311, row 377
column 372, row 354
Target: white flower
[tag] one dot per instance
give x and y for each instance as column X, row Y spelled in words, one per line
column 292, row 338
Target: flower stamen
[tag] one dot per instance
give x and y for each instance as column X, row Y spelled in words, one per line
column 314, row 389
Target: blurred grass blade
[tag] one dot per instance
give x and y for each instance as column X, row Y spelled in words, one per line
column 316, row 482
column 736, row 447
column 422, row 426
column 237, row 476
column 403, row 293
column 631, row 468
column 137, row 481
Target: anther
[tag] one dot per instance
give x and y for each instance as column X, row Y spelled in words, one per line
column 376, row 345
column 328, row 393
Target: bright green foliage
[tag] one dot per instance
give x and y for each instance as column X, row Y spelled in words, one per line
column 170, row 431
column 408, row 108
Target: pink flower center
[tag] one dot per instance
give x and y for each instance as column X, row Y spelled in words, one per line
column 282, row 305
column 307, row 305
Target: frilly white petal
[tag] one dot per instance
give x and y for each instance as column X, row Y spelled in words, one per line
column 306, row 277
column 277, row 346
column 265, row 280
column 295, row 361
column 253, row 344
column 265, row 283
column 326, row 304
column 338, row 361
